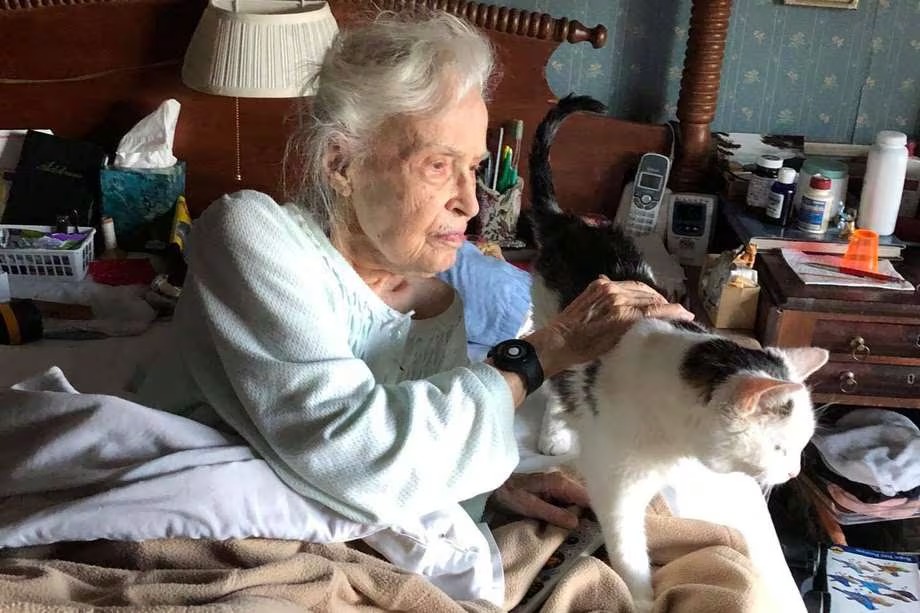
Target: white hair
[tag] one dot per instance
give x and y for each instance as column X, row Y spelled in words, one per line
column 392, row 67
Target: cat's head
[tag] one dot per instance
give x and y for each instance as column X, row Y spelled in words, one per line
column 764, row 416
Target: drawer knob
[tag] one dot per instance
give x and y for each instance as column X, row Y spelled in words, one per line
column 860, row 348
column 848, row 382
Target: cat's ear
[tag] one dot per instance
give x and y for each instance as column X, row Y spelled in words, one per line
column 806, row 360
column 751, row 392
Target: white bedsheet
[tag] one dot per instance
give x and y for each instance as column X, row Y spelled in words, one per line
column 83, row 467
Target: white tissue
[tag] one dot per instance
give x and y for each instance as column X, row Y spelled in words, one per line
column 149, row 143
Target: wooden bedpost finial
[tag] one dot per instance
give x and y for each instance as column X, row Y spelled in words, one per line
column 578, row 32
column 699, row 90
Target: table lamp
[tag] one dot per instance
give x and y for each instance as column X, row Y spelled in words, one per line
column 258, row 49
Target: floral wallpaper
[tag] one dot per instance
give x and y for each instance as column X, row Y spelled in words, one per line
column 831, row 74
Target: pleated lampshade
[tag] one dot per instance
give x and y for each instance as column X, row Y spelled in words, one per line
column 258, row 48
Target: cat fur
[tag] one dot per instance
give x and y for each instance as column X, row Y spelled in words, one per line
column 668, row 391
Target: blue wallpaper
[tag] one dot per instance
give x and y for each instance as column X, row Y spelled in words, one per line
column 830, row 74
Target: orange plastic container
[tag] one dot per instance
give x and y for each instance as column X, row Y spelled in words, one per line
column 862, row 251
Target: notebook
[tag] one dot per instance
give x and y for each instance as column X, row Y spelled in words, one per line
column 767, row 237
column 55, row 176
column 799, row 262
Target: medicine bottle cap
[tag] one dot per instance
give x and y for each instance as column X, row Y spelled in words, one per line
column 770, row 161
column 819, row 182
column 832, row 169
column 891, row 138
column 786, row 175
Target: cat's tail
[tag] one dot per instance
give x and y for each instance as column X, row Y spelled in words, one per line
column 542, row 193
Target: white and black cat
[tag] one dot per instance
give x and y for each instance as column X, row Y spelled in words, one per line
column 668, row 390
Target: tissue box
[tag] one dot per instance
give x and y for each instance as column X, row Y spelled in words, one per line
column 735, row 307
column 141, row 202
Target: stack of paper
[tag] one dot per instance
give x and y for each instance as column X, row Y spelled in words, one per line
column 799, row 262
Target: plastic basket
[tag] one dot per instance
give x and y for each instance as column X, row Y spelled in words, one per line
column 64, row 264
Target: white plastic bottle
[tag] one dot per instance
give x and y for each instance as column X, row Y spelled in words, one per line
column 884, row 183
column 817, row 203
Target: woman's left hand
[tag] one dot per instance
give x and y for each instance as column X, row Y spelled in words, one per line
column 539, row 496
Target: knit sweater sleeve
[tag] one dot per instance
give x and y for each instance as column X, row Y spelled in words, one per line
column 288, row 380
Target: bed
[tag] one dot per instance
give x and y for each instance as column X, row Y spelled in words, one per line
column 91, row 68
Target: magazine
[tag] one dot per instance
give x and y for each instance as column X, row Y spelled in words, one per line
column 860, row 580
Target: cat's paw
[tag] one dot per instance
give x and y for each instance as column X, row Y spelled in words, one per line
column 558, row 442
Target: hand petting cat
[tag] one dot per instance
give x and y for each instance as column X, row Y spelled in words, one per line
column 591, row 325
column 542, row 496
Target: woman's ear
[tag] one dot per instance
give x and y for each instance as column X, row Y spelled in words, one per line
column 336, row 166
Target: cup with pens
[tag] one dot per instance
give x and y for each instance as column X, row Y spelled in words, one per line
column 499, row 189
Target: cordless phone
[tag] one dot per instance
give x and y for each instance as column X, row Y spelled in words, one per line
column 641, row 205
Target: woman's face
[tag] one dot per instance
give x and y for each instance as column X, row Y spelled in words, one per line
column 415, row 191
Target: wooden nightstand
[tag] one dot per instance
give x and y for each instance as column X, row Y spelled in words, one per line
column 873, row 335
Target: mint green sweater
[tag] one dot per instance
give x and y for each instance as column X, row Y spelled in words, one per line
column 353, row 404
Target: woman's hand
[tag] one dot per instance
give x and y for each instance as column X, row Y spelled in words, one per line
column 593, row 323
column 542, row 496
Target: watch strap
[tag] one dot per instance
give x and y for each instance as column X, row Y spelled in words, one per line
column 520, row 357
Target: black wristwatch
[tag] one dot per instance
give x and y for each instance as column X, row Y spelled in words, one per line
column 519, row 356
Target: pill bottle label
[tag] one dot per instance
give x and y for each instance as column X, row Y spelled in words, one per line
column 811, row 214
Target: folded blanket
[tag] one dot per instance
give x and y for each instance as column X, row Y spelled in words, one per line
column 703, row 569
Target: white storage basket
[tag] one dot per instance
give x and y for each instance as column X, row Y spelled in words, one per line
column 65, row 264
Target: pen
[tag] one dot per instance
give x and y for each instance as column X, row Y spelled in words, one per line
column 518, row 129
column 505, row 170
column 485, row 168
column 855, row 272
column 498, row 158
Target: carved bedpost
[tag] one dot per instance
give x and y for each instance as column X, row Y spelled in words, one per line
column 699, row 91
column 503, row 19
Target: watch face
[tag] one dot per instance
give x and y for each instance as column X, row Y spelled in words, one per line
column 514, row 349
column 518, row 356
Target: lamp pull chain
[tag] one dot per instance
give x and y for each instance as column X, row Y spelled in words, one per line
column 236, row 104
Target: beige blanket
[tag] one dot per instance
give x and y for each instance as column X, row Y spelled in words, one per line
column 703, row 569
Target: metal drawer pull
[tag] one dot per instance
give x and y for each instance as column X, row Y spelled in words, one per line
column 848, row 382
column 860, row 348
column 917, row 344
column 911, row 378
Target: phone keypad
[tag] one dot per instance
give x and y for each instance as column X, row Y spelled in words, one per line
column 641, row 220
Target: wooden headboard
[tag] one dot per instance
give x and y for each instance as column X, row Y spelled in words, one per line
column 91, row 68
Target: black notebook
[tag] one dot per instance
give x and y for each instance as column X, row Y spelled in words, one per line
column 55, row 176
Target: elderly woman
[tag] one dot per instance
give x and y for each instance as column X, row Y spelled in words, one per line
column 319, row 331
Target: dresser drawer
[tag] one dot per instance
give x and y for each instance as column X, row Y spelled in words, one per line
column 850, row 379
column 862, row 339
